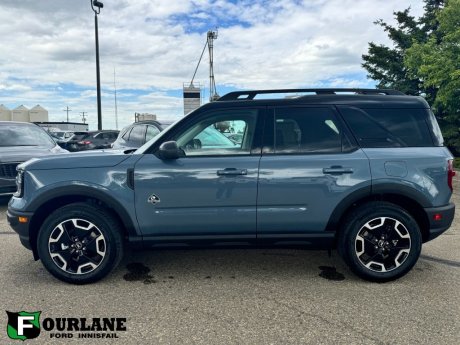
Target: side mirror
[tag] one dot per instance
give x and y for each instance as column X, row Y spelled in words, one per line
column 170, row 150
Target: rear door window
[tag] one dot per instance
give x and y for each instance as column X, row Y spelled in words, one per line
column 307, row 130
column 388, row 127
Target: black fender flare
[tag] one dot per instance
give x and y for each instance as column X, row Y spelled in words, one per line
column 88, row 192
column 370, row 192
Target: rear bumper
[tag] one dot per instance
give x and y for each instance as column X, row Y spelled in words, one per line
column 22, row 229
column 437, row 227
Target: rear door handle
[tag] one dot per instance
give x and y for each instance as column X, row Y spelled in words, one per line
column 337, row 170
column 232, row 172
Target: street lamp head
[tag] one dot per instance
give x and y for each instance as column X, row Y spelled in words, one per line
column 98, row 4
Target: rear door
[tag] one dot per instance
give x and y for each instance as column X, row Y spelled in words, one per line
column 308, row 166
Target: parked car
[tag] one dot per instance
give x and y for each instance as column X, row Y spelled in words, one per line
column 19, row 142
column 63, row 135
column 92, row 140
column 137, row 134
column 364, row 171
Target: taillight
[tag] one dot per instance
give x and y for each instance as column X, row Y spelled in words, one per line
column 450, row 174
column 86, row 142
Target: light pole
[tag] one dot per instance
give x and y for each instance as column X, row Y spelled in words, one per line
column 96, row 7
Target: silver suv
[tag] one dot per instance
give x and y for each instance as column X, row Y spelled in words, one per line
column 361, row 170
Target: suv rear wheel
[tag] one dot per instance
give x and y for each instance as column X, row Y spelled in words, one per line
column 80, row 243
column 380, row 241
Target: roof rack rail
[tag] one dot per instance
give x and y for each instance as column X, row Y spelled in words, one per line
column 250, row 95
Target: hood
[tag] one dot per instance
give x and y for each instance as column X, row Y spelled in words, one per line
column 24, row 153
column 88, row 159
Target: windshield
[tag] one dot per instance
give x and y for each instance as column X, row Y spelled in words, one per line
column 24, row 135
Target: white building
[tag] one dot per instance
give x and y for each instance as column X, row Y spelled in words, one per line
column 64, row 126
column 38, row 114
column 192, row 98
column 20, row 114
column 5, row 113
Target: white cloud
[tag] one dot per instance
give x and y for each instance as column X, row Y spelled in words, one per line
column 47, row 54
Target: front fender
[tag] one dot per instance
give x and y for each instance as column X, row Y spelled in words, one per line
column 93, row 191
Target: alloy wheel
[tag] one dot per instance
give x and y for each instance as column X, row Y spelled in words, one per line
column 382, row 244
column 77, row 246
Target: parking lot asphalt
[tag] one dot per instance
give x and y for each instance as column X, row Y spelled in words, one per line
column 233, row 296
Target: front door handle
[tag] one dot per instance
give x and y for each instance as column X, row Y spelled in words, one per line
column 232, row 172
column 337, row 170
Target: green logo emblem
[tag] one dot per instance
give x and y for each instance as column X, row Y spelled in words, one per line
column 23, row 325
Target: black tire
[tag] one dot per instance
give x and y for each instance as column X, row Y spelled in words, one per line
column 380, row 241
column 89, row 239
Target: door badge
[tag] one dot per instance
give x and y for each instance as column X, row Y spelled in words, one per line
column 153, row 199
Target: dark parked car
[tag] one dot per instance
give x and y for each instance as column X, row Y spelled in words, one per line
column 19, row 142
column 364, row 171
column 137, row 134
column 92, row 140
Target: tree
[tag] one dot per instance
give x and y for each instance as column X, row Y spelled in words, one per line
column 386, row 64
column 413, row 63
column 437, row 63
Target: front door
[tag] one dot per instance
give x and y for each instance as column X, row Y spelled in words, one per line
column 209, row 193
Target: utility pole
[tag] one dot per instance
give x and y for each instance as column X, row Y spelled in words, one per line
column 67, row 110
column 98, row 5
column 83, row 118
column 116, row 107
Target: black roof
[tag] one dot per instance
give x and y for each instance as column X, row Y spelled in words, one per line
column 364, row 98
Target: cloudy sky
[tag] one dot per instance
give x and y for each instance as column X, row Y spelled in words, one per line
column 47, row 53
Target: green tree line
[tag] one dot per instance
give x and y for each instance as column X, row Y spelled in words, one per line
column 424, row 60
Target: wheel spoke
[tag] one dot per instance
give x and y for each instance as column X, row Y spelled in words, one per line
column 66, row 231
column 91, row 238
column 90, row 259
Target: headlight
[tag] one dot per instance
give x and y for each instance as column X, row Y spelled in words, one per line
column 19, row 183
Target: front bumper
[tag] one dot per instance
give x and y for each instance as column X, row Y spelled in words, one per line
column 437, row 227
column 22, row 229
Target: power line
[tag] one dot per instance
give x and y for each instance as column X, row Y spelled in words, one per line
column 199, row 61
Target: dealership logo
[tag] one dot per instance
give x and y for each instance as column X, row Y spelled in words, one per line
column 26, row 325
column 23, row 325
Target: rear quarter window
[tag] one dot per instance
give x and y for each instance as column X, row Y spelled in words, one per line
column 389, row 127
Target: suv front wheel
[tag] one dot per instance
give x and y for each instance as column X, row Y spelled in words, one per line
column 80, row 243
column 380, row 241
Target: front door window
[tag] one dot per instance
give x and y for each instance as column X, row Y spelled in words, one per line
column 220, row 134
